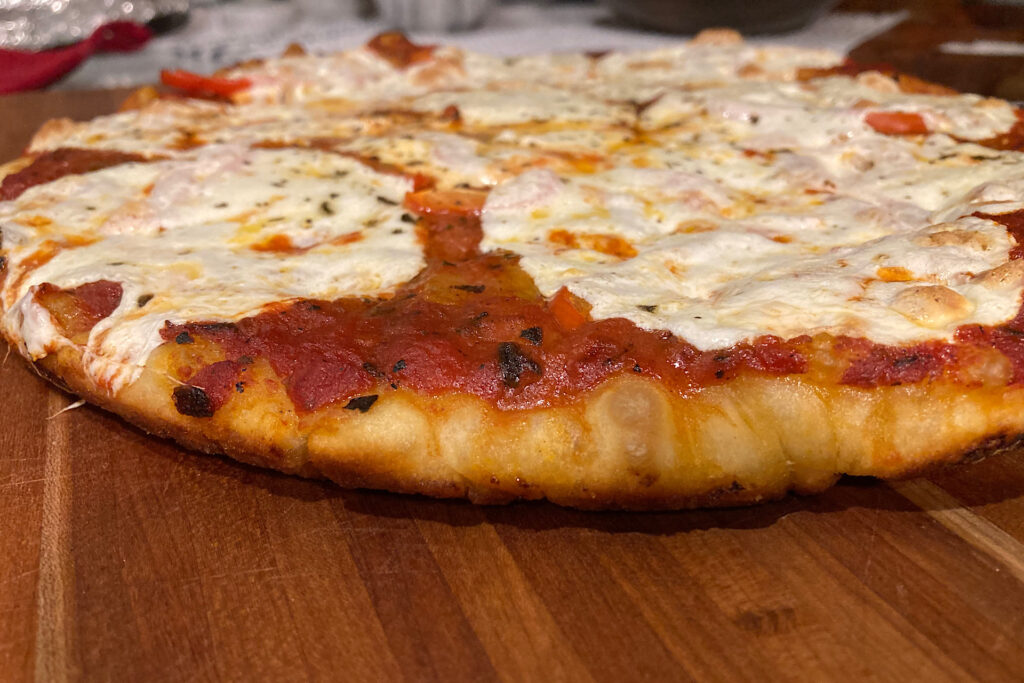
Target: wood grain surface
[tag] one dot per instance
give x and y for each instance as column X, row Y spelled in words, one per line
column 126, row 558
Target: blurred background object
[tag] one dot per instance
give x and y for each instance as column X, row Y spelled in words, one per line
column 939, row 40
column 750, row 17
column 995, row 13
column 43, row 24
column 333, row 10
column 20, row 70
column 943, row 41
column 435, row 16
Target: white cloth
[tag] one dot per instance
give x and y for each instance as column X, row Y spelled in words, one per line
column 222, row 35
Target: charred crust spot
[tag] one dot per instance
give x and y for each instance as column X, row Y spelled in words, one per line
column 399, row 366
column 534, row 335
column 240, row 387
column 637, row 368
column 373, row 370
column 361, row 403
column 451, row 113
column 512, row 362
column 143, row 300
column 192, row 401
column 647, row 480
column 184, row 338
column 217, row 327
column 474, row 289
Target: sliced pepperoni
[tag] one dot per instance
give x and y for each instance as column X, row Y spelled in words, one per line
column 50, row 166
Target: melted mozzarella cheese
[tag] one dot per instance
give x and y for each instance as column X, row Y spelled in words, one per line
column 213, row 238
column 695, row 266
column 524, row 105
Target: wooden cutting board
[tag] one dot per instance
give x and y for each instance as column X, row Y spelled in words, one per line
column 124, row 557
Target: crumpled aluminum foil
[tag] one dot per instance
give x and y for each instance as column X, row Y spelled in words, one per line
column 42, row 24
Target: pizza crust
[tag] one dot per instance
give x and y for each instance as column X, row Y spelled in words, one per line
column 628, row 444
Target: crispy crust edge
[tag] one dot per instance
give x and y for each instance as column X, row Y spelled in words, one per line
column 377, row 470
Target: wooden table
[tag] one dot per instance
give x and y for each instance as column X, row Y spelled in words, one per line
column 124, row 557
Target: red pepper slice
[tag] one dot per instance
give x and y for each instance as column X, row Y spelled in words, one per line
column 897, row 123
column 563, row 306
column 203, row 85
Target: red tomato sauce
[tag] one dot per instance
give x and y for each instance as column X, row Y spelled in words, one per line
column 507, row 350
column 1012, row 139
column 475, row 323
column 875, row 365
column 209, row 389
column 1014, row 224
column 77, row 310
column 1008, row 339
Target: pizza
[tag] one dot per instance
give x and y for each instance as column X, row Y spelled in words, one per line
column 709, row 274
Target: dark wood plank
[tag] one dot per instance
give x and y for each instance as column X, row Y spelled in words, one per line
column 22, row 477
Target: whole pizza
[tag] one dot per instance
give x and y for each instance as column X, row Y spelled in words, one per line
column 703, row 275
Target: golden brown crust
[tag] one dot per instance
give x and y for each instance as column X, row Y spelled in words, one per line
column 629, row 444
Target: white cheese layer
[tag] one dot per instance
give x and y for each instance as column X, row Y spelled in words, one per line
column 213, row 238
column 669, row 250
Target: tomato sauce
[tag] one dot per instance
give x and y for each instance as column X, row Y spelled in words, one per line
column 209, row 389
column 474, row 322
column 1008, row 339
column 507, row 350
column 77, row 310
column 50, row 166
column 1012, row 139
column 875, row 365
column 1014, row 224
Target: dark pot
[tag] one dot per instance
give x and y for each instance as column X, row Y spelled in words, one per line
column 746, row 16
